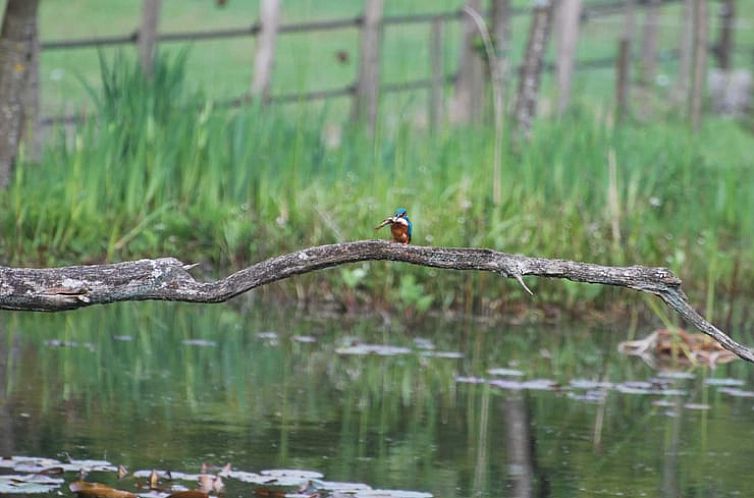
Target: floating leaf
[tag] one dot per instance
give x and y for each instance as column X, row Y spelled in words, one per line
column 189, row 494
column 391, row 493
column 589, row 396
column 268, row 336
column 28, row 484
column 343, row 487
column 737, row 393
column 590, row 384
column 89, row 466
column 204, row 343
column 535, row 384
column 505, row 372
column 97, row 490
column 249, row 477
column 377, row 349
column 676, row 375
column 470, row 380
column 304, row 339
column 724, row 382
column 302, row 474
column 450, row 355
column 696, row 406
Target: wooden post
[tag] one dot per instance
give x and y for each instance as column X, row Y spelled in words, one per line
column 150, row 16
column 531, row 71
column 438, row 73
column 700, row 63
column 264, row 58
column 569, row 13
column 648, row 73
column 684, row 53
column 622, row 78
column 467, row 101
column 32, row 132
column 17, row 42
column 366, row 99
column 724, row 47
column 501, row 36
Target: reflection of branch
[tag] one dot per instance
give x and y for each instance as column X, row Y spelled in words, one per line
column 167, row 279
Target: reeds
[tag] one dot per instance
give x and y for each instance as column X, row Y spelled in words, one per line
column 164, row 171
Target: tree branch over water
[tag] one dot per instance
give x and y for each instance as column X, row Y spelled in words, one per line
column 168, row 279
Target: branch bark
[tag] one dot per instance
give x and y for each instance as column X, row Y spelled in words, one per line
column 168, row 279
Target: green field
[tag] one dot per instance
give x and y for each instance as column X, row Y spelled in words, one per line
column 166, row 172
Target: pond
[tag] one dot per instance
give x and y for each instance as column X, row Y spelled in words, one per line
column 452, row 408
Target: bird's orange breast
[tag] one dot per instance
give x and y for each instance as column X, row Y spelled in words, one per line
column 400, row 233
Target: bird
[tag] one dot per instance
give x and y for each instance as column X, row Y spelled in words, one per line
column 400, row 226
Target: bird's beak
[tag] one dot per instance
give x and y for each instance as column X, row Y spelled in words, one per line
column 386, row 221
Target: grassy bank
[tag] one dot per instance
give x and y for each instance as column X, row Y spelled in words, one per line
column 160, row 175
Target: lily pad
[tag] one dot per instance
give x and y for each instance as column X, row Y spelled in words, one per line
column 737, row 393
column 304, row 339
column 676, row 375
column 470, row 380
column 724, row 382
column 342, row 487
column 391, row 493
column 534, row 384
column 505, row 372
column 248, row 477
column 590, row 384
column 204, row 343
column 449, row 355
column 696, row 406
column 297, row 473
column 89, row 465
column 28, row 484
column 376, row 349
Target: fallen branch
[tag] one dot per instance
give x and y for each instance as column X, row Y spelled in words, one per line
column 167, row 279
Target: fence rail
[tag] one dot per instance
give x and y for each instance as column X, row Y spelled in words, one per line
column 587, row 12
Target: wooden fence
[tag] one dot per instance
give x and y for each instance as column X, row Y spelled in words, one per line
column 468, row 82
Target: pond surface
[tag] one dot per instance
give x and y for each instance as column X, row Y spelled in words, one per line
column 452, row 408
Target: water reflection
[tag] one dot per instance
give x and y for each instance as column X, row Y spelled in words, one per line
column 172, row 386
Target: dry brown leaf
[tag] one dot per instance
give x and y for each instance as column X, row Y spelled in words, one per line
column 97, row 490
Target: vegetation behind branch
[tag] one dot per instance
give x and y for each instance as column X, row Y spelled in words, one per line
column 165, row 172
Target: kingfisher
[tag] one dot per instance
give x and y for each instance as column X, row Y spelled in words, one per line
column 400, row 226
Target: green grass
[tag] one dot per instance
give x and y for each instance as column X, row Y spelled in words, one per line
column 165, row 173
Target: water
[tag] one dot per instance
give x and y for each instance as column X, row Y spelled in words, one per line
column 152, row 385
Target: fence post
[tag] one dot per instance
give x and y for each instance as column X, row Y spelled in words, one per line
column 648, row 73
column 264, row 58
column 569, row 13
column 437, row 61
column 684, row 53
column 622, row 78
column 700, row 63
column 531, row 71
column 467, row 101
column 724, row 47
column 17, row 44
column 147, row 40
column 366, row 98
column 501, row 35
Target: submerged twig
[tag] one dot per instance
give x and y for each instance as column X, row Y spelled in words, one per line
column 57, row 289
